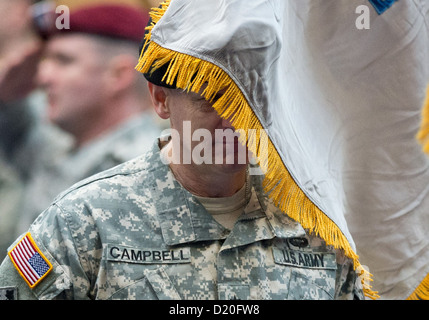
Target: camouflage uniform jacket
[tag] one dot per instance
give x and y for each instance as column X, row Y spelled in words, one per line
column 133, row 232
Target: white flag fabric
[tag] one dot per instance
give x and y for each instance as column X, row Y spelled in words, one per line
column 371, row 85
column 338, row 86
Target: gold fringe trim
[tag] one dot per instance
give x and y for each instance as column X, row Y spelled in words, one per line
column 190, row 74
column 422, row 291
column 423, row 134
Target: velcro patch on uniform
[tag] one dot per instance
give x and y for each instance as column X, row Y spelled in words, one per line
column 8, row 293
column 30, row 262
column 303, row 259
column 382, row 5
column 147, row 255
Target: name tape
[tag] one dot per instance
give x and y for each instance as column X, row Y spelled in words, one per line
column 147, row 255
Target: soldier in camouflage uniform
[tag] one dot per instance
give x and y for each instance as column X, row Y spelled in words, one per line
column 157, row 229
column 140, row 231
column 133, row 232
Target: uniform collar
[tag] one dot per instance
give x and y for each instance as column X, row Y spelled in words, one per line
column 261, row 221
column 184, row 220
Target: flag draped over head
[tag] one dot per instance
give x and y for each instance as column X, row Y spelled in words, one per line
column 339, row 103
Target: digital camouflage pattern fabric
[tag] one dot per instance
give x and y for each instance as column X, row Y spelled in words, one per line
column 133, row 232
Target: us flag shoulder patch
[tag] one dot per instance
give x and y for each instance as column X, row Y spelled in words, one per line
column 30, row 261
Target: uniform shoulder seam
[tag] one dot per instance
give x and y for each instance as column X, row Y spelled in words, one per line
column 96, row 178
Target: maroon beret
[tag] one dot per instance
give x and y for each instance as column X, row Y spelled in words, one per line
column 112, row 20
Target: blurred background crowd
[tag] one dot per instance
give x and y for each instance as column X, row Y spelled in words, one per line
column 71, row 102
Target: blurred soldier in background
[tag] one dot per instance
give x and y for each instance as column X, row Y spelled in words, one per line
column 26, row 140
column 97, row 102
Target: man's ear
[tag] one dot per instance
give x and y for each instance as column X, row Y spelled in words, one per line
column 159, row 97
column 122, row 75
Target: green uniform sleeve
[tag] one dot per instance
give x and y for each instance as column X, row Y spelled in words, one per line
column 12, row 282
column 53, row 238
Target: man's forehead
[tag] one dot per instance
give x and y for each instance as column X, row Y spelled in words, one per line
column 72, row 43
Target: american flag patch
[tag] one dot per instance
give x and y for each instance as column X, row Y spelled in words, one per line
column 30, row 261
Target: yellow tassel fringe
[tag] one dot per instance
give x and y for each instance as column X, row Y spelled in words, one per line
column 422, row 291
column 190, row 74
column 423, row 134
